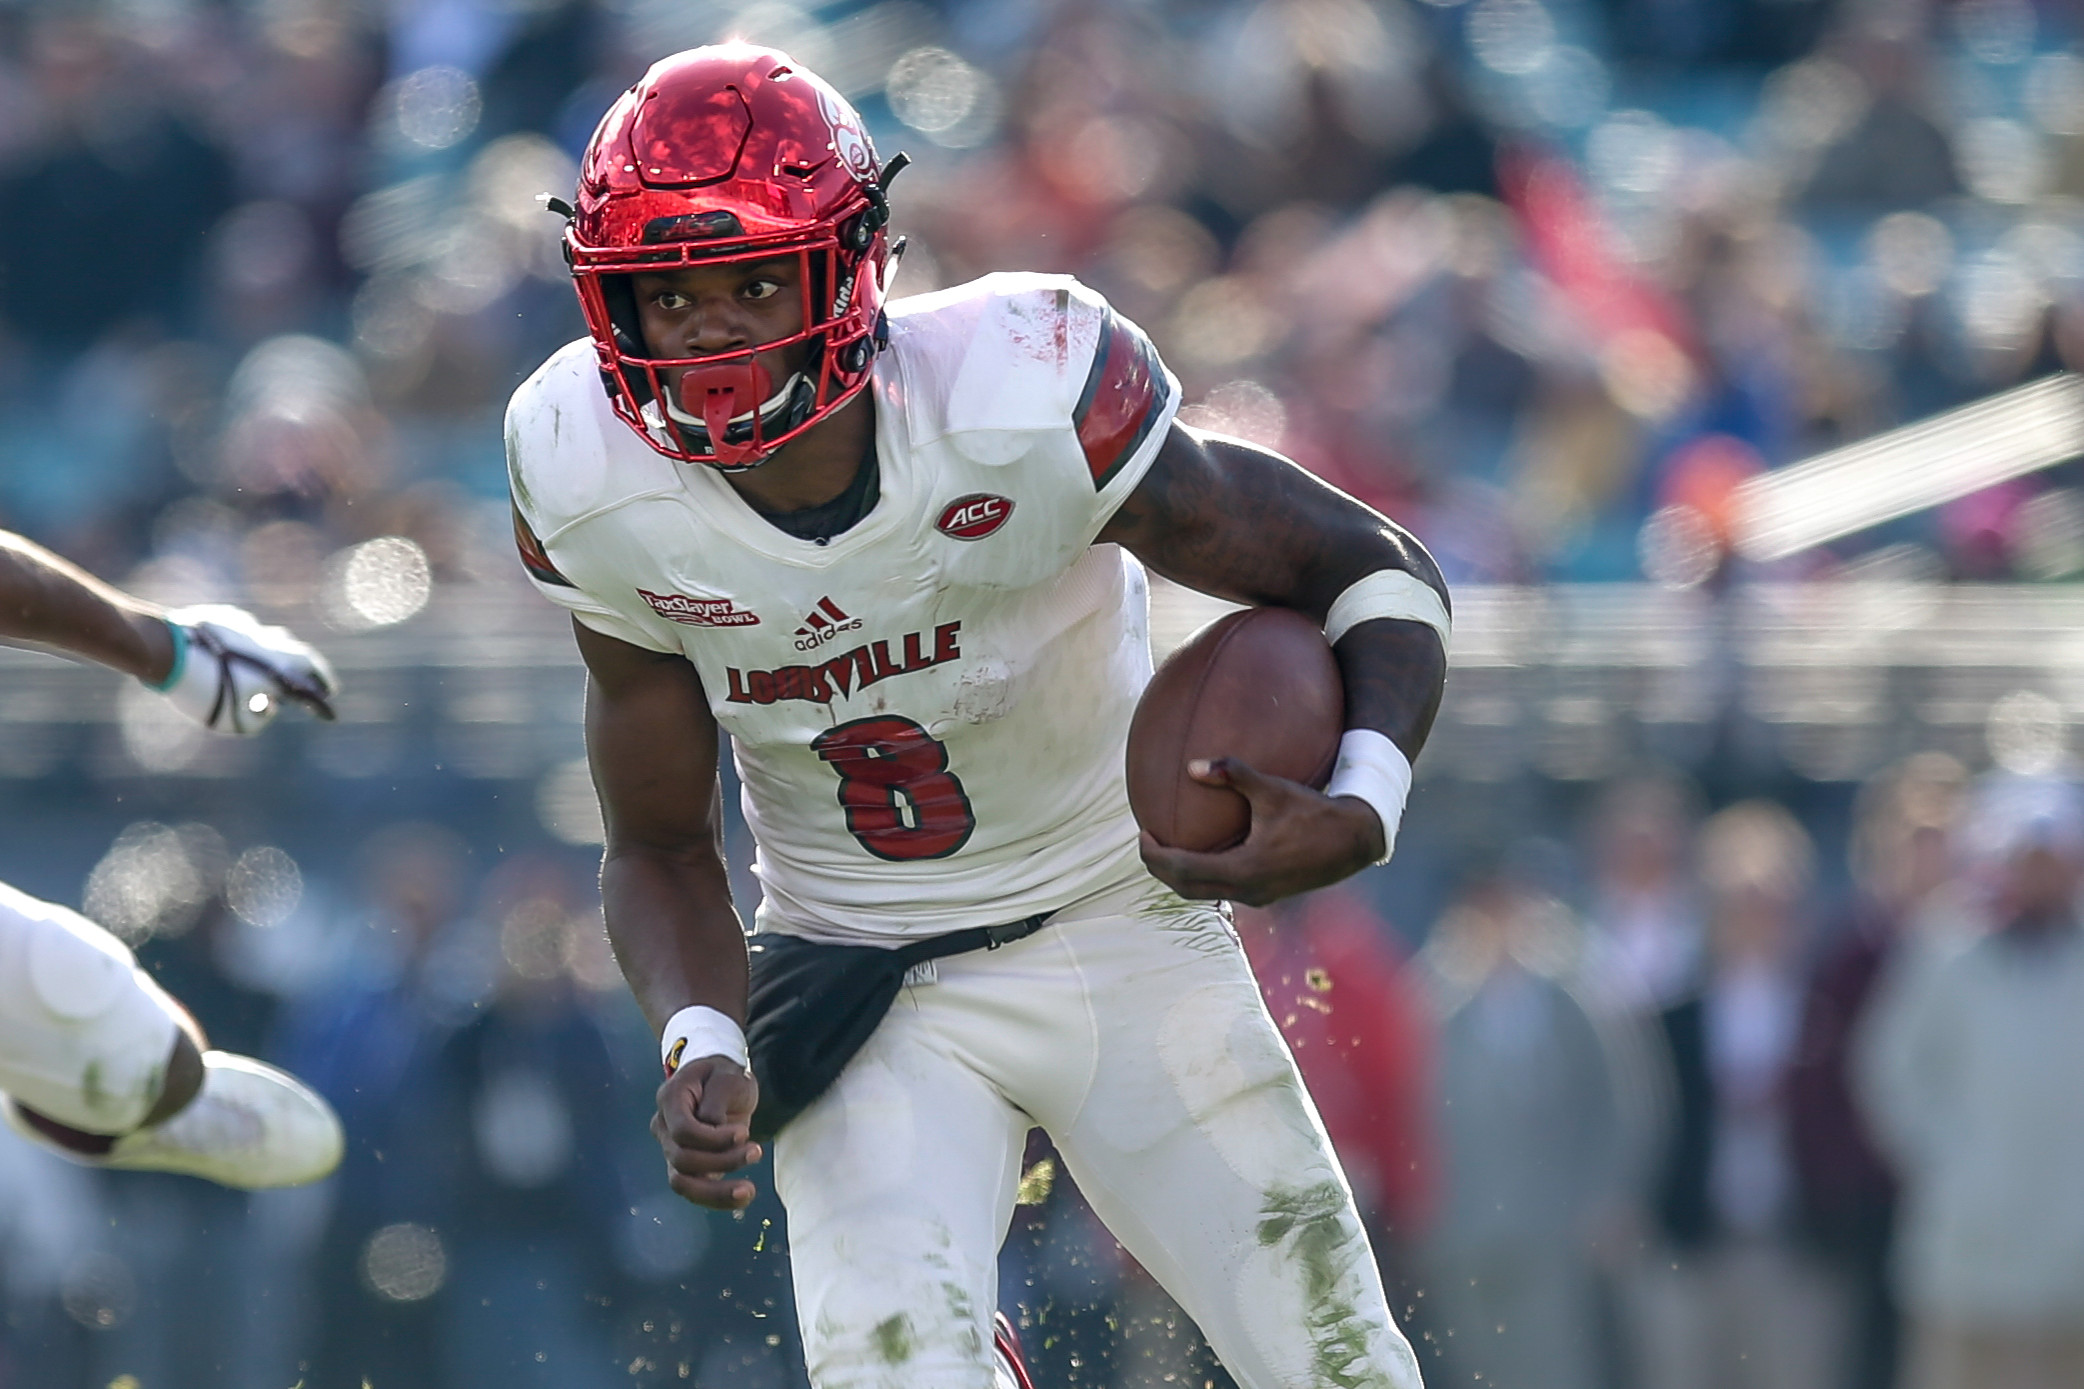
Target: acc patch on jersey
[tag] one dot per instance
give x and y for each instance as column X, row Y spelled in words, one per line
column 975, row 516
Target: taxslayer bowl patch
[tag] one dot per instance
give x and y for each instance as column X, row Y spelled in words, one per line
column 975, row 516
column 698, row 612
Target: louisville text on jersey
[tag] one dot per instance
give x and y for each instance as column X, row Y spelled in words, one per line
column 848, row 672
column 1121, row 397
column 698, row 612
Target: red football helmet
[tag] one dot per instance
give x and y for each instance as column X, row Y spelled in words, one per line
column 723, row 154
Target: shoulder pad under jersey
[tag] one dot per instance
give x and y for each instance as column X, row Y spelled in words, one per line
column 1019, row 353
column 568, row 456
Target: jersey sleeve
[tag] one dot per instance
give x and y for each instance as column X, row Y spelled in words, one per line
column 1127, row 400
column 552, row 584
column 1020, row 366
column 1125, row 403
column 526, row 458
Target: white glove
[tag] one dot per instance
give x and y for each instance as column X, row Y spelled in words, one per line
column 232, row 674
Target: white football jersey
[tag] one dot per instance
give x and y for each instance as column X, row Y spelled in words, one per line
column 928, row 712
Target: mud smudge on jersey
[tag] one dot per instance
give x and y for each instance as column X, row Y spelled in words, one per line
column 982, row 695
column 849, row 672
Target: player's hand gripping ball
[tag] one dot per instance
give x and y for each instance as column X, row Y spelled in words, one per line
column 233, row 674
column 1260, row 686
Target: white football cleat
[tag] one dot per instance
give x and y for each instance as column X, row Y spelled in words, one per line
column 250, row 1126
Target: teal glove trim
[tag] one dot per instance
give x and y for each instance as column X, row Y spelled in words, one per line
column 173, row 674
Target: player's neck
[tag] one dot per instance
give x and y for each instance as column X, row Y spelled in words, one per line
column 816, row 467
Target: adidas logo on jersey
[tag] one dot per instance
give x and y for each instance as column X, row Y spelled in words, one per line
column 825, row 622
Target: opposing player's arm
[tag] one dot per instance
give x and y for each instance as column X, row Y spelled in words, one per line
column 219, row 665
column 652, row 744
column 1237, row 521
column 48, row 601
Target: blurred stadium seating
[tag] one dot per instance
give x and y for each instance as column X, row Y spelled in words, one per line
column 1562, row 284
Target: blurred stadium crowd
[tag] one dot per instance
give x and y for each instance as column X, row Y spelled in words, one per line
column 1545, row 279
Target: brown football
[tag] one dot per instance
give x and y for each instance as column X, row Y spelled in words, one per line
column 1259, row 685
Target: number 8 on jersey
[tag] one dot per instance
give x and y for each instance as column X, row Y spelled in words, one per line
column 900, row 799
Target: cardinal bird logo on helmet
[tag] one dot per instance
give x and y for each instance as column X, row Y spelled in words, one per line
column 849, row 140
column 721, row 156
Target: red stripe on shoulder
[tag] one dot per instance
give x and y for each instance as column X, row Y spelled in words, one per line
column 534, row 558
column 1121, row 398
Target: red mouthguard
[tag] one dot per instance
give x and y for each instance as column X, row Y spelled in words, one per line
column 716, row 394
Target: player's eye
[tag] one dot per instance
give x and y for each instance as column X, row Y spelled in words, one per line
column 762, row 288
column 670, row 299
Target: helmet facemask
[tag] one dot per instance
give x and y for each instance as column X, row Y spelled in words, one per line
column 725, row 410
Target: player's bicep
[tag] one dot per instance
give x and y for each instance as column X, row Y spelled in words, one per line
column 1241, row 522
column 652, row 743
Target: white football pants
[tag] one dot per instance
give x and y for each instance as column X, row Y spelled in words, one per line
column 1130, row 1028
column 84, row 1033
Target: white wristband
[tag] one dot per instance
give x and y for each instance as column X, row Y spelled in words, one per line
column 696, row 1032
column 1373, row 769
column 1387, row 593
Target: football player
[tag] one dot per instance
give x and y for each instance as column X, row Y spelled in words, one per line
column 97, row 1062
column 893, row 550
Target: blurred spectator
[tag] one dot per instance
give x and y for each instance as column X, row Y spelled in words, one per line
column 1894, row 154
column 1902, row 865
column 1641, row 954
column 1646, row 934
column 1732, row 1300
column 271, row 269
column 371, row 1043
column 1532, row 1144
column 1969, row 1063
column 116, row 166
column 532, row 1092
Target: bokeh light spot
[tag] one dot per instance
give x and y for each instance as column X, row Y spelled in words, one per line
column 378, row 583
column 436, row 107
column 2001, row 161
column 148, row 883
column 1645, row 373
column 1912, row 252
column 2027, row 733
column 263, row 886
column 1514, row 37
column 942, row 97
column 2055, row 93
column 405, row 1263
column 1677, row 548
